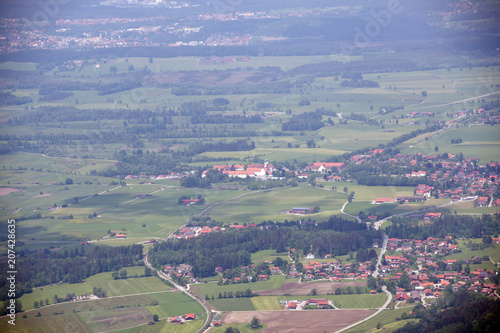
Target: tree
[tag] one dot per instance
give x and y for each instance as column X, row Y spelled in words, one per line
column 314, row 292
column 155, row 317
column 69, row 181
column 232, row 330
column 436, row 148
column 75, row 200
column 123, row 274
column 147, row 271
column 113, row 69
column 424, row 93
column 311, row 144
column 36, row 305
column 255, row 323
column 131, row 68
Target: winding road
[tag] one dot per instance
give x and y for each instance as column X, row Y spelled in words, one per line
column 164, row 276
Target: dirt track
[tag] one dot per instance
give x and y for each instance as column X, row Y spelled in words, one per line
column 310, row 321
column 322, row 288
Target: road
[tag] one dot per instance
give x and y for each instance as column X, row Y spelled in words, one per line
column 342, row 211
column 382, row 308
column 164, row 276
column 382, row 251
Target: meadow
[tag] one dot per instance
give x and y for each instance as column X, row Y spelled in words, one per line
column 386, row 318
column 268, row 205
column 121, row 287
column 268, row 255
column 210, row 289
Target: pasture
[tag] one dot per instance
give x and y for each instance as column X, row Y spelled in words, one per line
column 480, row 141
column 386, row 318
column 173, row 304
column 268, row 205
column 164, row 326
column 346, row 301
column 268, row 255
column 120, row 287
column 210, row 289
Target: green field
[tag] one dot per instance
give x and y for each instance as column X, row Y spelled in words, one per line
column 174, row 304
column 271, row 203
column 233, row 304
column 386, row 318
column 351, row 301
column 165, row 327
column 119, row 287
column 266, row 303
column 492, row 252
column 268, row 255
column 481, row 141
column 210, row 289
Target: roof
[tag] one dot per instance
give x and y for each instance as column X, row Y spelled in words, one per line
column 384, row 200
column 189, row 316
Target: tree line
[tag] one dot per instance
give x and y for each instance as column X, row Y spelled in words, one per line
column 233, row 248
column 49, row 267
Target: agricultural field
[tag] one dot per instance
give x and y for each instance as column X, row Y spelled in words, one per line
column 345, row 301
column 121, row 287
column 85, row 134
column 387, row 320
column 164, row 326
column 268, row 205
column 210, row 289
column 467, row 253
column 322, row 288
column 268, row 255
column 291, row 321
column 244, row 328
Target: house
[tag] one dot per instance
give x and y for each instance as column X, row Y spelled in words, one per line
column 120, row 236
column 188, row 202
column 432, row 216
column 310, row 256
column 320, row 303
column 482, row 202
column 324, row 166
column 189, row 316
column 402, row 297
column 292, row 305
column 176, row 320
column 217, row 324
column 373, row 292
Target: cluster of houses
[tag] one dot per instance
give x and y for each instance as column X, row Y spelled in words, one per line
column 182, row 271
column 432, row 274
column 248, row 274
column 190, row 232
column 299, row 304
column 263, row 170
column 332, row 271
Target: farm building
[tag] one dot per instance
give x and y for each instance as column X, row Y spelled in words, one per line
column 189, row 316
column 383, row 200
column 300, row 211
